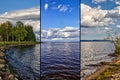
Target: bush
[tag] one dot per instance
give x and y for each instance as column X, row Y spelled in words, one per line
column 117, row 49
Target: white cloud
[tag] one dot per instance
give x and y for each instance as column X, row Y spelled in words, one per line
column 60, row 33
column 118, row 26
column 22, row 14
column 28, row 16
column 114, row 13
column 59, row 6
column 102, row 1
column 106, row 28
column 62, row 8
column 46, row 6
column 96, row 17
column 117, row 2
column 98, row 1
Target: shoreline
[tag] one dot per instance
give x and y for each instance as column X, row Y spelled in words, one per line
column 6, row 71
column 105, row 66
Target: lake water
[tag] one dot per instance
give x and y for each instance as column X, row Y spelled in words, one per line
column 60, row 61
column 25, row 60
column 93, row 53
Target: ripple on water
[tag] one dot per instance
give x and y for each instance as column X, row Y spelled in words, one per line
column 60, row 61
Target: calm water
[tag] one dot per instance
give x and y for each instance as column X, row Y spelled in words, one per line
column 25, row 60
column 60, row 61
column 93, row 53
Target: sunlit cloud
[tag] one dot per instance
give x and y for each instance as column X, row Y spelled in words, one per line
column 98, row 1
column 46, row 6
column 58, row 34
column 96, row 17
column 62, row 8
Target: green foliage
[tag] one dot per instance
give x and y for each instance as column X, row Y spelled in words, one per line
column 117, row 49
column 115, row 38
column 30, row 34
column 106, row 75
column 19, row 32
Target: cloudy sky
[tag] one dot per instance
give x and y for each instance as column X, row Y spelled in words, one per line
column 60, row 20
column 21, row 10
column 99, row 16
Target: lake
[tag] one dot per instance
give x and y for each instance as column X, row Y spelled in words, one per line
column 25, row 61
column 93, row 53
column 60, row 61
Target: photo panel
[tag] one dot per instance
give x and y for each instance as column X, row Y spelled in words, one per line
column 100, row 39
column 60, row 43
column 20, row 40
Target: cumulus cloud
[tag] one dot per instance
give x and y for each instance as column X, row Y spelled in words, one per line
column 46, row 6
column 92, row 17
column 98, row 1
column 117, row 2
column 28, row 16
column 96, row 17
column 60, row 33
column 114, row 13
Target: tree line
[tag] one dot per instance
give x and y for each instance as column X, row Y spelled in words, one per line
column 18, row 32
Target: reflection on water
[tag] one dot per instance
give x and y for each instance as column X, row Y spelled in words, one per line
column 25, row 60
column 93, row 53
column 60, row 61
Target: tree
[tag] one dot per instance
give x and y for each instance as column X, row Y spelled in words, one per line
column 30, row 34
column 20, row 31
column 114, row 36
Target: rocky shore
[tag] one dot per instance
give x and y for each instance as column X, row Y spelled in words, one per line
column 108, row 71
column 5, row 73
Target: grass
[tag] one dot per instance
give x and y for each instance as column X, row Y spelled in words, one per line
column 17, row 43
column 107, row 74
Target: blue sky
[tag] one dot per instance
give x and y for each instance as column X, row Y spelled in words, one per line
column 98, row 17
column 6, row 6
column 108, row 4
column 53, row 18
column 62, row 14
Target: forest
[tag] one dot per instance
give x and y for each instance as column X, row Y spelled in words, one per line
column 16, row 32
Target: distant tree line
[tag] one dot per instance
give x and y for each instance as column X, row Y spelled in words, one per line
column 18, row 32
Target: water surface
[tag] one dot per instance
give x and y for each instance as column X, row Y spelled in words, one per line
column 60, row 61
column 25, row 60
column 93, row 53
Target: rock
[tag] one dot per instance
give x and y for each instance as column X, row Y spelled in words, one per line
column 2, row 61
column 4, row 75
column 2, row 55
column 11, row 77
column 113, row 55
column 2, row 66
